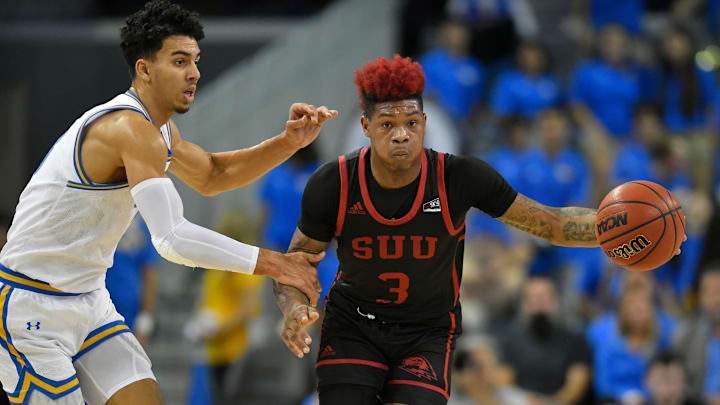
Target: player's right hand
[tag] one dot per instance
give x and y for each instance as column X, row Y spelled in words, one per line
column 293, row 333
column 296, row 269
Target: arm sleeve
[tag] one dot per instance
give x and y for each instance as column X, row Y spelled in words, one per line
column 474, row 183
column 183, row 242
column 320, row 202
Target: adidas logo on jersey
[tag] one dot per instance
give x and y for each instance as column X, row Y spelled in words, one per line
column 432, row 205
column 328, row 351
column 356, row 209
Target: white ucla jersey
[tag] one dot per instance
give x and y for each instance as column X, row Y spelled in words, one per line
column 66, row 227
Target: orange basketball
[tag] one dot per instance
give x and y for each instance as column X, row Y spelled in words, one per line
column 640, row 225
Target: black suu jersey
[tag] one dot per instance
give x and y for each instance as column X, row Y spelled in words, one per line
column 400, row 250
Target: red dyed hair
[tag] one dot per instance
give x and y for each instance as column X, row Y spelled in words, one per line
column 389, row 80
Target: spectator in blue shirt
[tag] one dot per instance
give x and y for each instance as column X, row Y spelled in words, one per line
column 623, row 343
column 508, row 158
column 626, row 13
column 699, row 340
column 633, row 160
column 529, row 88
column 281, row 198
column 496, row 25
column 132, row 281
column 557, row 175
column 688, row 91
column 454, row 77
column 604, row 92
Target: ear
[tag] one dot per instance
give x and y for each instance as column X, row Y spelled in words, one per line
column 365, row 124
column 424, row 118
column 142, row 70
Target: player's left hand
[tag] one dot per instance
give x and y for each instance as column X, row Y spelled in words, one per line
column 305, row 122
column 296, row 319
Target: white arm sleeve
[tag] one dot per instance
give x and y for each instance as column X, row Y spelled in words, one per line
column 183, row 242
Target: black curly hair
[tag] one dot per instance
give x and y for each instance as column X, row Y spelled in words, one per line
column 145, row 30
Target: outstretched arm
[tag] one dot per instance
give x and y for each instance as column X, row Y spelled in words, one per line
column 213, row 173
column 296, row 309
column 567, row 226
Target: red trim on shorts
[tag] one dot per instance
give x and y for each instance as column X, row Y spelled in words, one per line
column 443, row 198
column 343, row 196
column 368, row 203
column 352, row 361
column 447, row 353
column 419, row 384
column 455, row 277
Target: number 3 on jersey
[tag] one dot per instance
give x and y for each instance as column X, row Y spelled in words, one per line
column 400, row 290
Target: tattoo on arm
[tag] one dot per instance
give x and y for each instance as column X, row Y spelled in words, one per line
column 568, row 226
column 532, row 217
column 285, row 294
column 579, row 224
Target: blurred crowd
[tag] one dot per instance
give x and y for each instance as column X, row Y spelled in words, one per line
column 631, row 94
column 637, row 99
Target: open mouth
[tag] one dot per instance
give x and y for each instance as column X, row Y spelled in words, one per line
column 189, row 94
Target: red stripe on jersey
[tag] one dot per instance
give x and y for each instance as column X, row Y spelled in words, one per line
column 447, row 353
column 343, row 196
column 371, row 208
column 352, row 361
column 419, row 384
column 443, row 198
column 455, row 278
column 337, row 276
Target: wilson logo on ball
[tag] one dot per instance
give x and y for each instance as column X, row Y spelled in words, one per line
column 612, row 222
column 630, row 249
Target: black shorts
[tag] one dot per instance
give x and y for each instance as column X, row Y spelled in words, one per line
column 405, row 363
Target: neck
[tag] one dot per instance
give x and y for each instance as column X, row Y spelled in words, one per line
column 159, row 115
column 394, row 177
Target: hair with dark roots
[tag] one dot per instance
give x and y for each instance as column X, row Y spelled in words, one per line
column 389, row 80
column 145, row 30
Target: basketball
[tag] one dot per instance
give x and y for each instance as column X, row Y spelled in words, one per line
column 640, row 225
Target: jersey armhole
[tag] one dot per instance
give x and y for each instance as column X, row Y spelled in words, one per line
column 445, row 206
column 342, row 167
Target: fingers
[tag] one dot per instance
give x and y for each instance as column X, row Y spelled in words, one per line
column 298, row 123
column 317, row 115
column 310, row 289
column 299, row 110
column 294, row 335
column 314, row 258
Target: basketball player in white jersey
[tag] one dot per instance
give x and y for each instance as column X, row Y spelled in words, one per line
column 63, row 341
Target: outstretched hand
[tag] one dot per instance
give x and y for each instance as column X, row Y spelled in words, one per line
column 296, row 319
column 305, row 122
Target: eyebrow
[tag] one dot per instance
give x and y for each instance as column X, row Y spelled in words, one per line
column 392, row 115
column 183, row 53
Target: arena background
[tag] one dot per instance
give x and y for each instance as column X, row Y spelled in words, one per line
column 62, row 57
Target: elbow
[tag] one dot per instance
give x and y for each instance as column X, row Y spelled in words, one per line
column 208, row 192
column 207, row 189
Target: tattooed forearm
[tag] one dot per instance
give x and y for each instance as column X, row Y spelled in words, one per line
column 579, row 224
column 285, row 294
column 568, row 226
column 531, row 217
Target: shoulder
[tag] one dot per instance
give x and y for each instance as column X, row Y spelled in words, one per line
column 463, row 164
column 128, row 130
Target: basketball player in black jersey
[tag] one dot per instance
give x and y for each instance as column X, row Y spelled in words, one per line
column 397, row 212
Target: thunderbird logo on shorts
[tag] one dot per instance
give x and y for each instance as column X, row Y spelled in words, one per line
column 432, row 206
column 418, row 366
